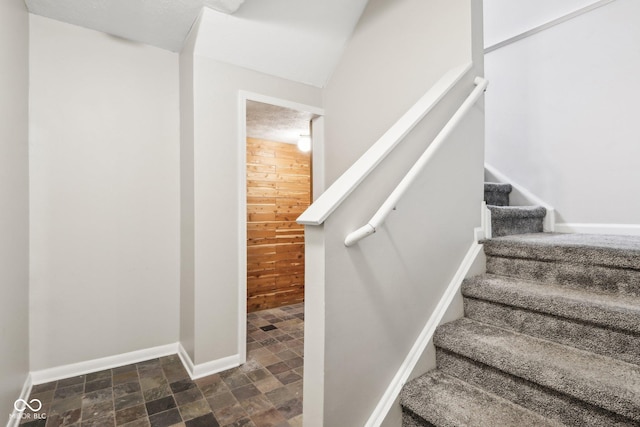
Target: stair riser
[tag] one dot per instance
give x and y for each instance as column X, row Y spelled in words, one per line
column 532, row 360
column 410, row 420
column 509, row 227
column 617, row 344
column 547, row 402
column 595, row 278
column 496, row 198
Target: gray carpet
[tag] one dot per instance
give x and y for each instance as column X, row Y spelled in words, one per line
column 508, row 220
column 605, row 250
column 551, row 336
column 448, row 401
column 601, row 264
column 497, row 194
column 606, row 325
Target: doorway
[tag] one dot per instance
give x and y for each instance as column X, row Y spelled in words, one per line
column 281, row 180
column 278, row 190
column 254, row 130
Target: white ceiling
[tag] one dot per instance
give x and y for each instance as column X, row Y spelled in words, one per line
column 300, row 40
column 273, row 123
column 160, row 23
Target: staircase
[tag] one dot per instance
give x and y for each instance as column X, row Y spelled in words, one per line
column 550, row 337
column 507, row 220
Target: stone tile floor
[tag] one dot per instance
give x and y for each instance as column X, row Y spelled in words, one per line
column 265, row 391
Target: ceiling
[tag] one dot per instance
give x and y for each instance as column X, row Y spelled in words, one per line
column 301, row 40
column 273, row 123
column 161, row 23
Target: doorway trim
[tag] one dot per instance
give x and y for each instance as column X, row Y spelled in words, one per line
column 317, row 162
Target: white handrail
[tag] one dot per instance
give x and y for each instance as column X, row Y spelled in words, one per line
column 318, row 212
column 547, row 25
column 385, row 209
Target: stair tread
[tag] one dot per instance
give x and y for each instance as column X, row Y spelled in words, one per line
column 601, row 309
column 498, row 212
column 595, row 249
column 497, row 187
column 444, row 400
column 600, row 380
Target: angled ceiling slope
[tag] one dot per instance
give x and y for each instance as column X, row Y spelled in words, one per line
column 300, row 40
column 160, row 23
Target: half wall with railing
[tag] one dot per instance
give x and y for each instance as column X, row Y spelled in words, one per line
column 369, row 299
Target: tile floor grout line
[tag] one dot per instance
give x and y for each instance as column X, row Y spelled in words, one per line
column 264, row 392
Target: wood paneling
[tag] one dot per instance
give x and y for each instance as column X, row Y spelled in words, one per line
column 278, row 191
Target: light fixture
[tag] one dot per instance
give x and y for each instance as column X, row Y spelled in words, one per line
column 304, row 143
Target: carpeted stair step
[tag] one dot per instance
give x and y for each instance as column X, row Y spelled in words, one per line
column 437, row 399
column 497, row 194
column 604, row 324
column 553, row 405
column 557, row 381
column 600, row 263
column 509, row 220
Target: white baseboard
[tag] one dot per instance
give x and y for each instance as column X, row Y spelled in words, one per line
column 95, row 365
column 526, row 197
column 625, row 229
column 186, row 359
column 484, row 231
column 208, row 368
column 15, row 417
column 393, row 390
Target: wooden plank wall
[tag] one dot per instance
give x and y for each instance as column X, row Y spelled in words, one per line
column 278, row 191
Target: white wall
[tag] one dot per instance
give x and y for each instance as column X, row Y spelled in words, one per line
column 508, row 18
column 104, row 159
column 187, row 217
column 14, row 198
column 380, row 293
column 217, row 176
column 384, row 71
column 211, row 259
column 562, row 115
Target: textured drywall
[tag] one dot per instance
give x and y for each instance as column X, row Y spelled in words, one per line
column 212, row 173
column 380, row 292
column 161, row 23
column 562, row 115
column 275, row 123
column 299, row 40
column 216, row 177
column 508, row 18
column 104, row 195
column 14, row 198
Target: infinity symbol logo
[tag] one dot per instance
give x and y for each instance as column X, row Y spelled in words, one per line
column 21, row 404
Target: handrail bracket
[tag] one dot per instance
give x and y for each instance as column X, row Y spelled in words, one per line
column 390, row 203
